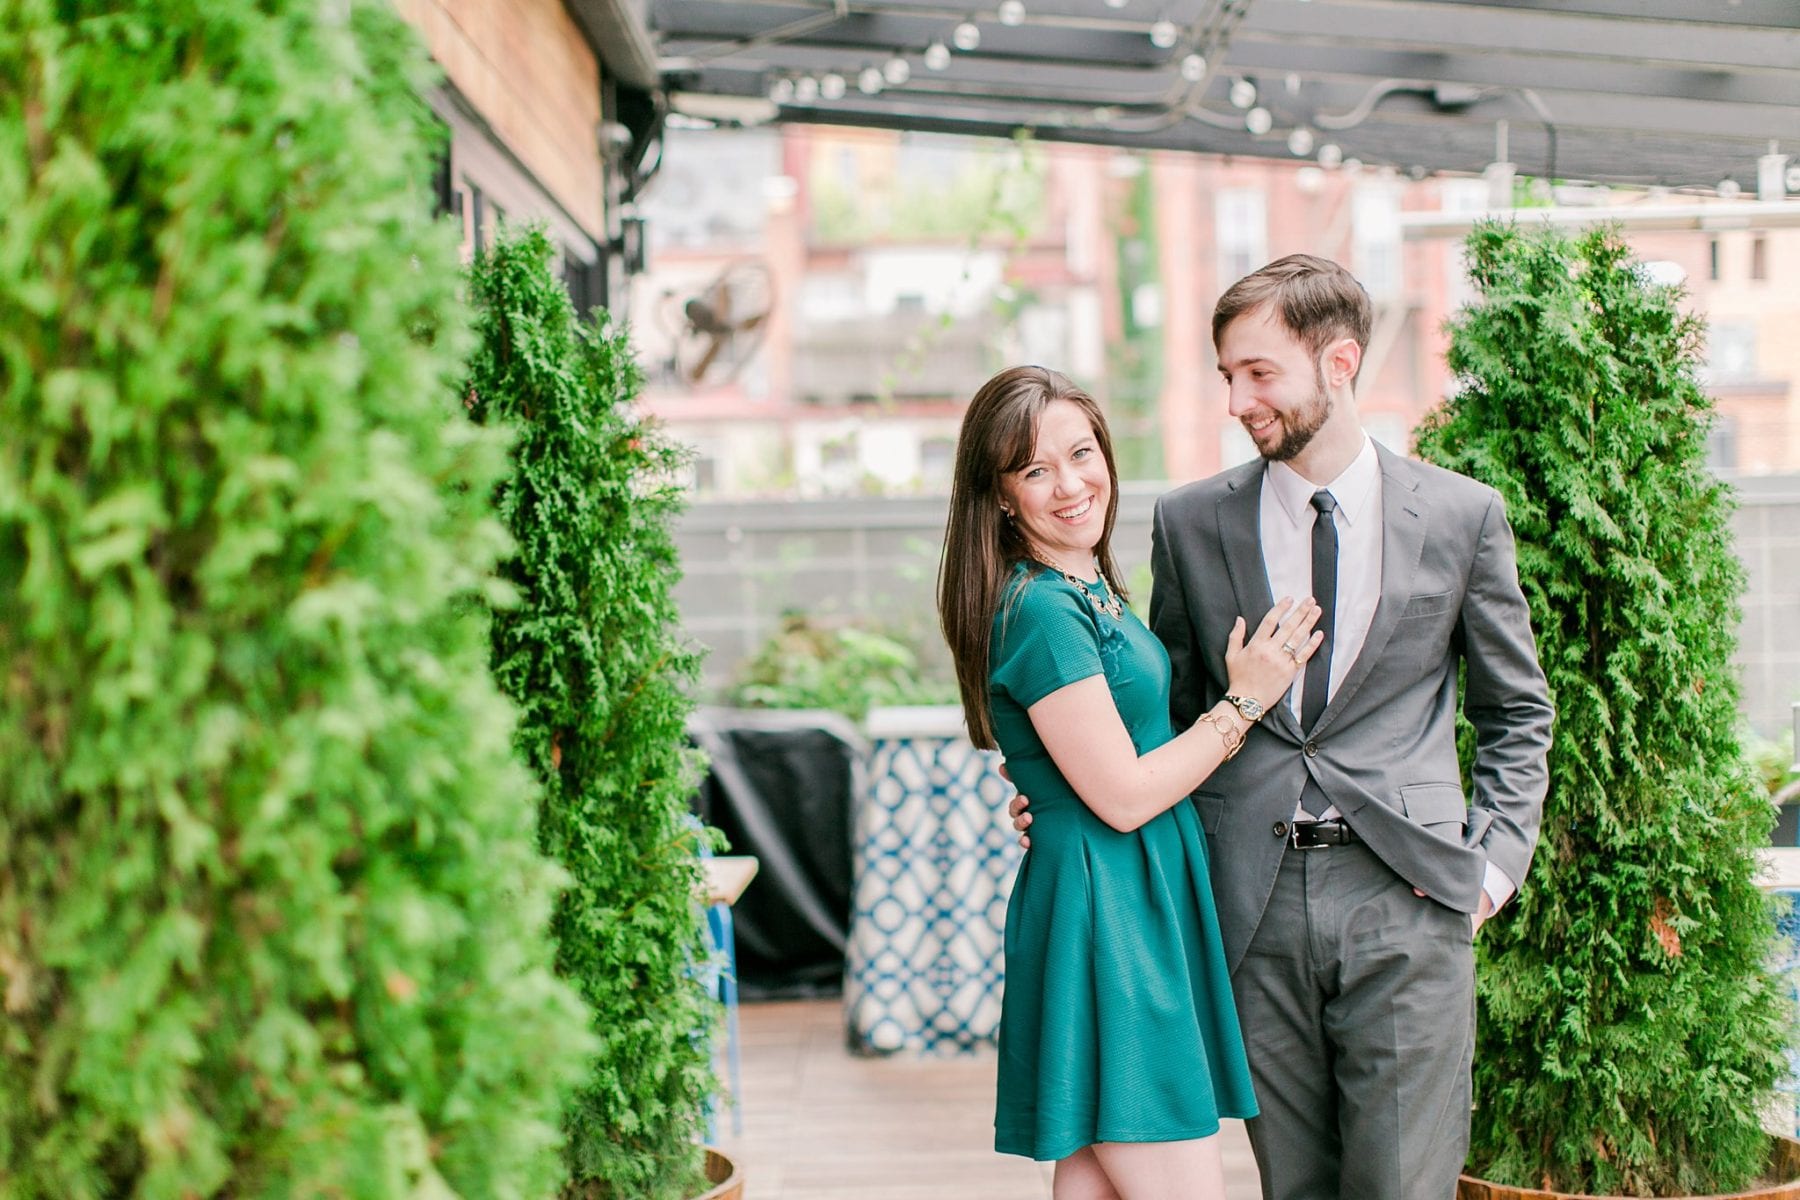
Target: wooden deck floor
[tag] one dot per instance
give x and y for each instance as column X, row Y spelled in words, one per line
column 823, row 1124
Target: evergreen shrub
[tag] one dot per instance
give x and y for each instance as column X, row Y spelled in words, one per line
column 272, row 920
column 1630, row 1030
column 591, row 656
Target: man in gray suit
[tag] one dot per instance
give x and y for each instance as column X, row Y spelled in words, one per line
column 1350, row 870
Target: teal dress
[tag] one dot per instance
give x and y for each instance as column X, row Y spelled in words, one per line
column 1117, row 1024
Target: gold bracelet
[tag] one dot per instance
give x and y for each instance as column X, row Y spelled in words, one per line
column 1230, row 734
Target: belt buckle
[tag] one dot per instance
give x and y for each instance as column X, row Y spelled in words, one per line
column 1294, row 837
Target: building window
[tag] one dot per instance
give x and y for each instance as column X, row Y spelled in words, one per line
column 1712, row 268
column 1375, row 237
column 1460, row 196
column 1731, row 351
column 443, row 181
column 1759, row 258
column 478, row 217
column 838, row 454
column 1722, row 444
column 1241, row 229
column 706, row 475
column 586, row 283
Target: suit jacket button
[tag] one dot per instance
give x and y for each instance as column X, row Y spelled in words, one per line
column 1281, row 829
column 1312, row 749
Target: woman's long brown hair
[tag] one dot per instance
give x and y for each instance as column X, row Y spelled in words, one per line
column 999, row 434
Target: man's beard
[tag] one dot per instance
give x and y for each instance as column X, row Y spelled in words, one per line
column 1299, row 427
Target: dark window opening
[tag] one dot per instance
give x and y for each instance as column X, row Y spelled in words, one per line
column 477, row 219
column 1722, row 444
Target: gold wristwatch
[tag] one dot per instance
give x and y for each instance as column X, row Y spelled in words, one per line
column 1249, row 707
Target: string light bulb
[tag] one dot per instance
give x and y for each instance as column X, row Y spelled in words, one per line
column 1300, row 142
column 897, row 71
column 937, row 56
column 869, row 81
column 1163, row 33
column 1243, row 93
column 1331, row 155
column 1012, row 12
column 967, row 36
column 1193, row 68
column 806, row 89
column 1258, row 121
column 781, row 90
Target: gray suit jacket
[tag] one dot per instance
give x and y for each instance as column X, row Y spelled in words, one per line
column 1384, row 750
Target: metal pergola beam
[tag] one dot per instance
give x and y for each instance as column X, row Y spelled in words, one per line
column 1559, row 34
column 1629, row 91
column 1254, row 52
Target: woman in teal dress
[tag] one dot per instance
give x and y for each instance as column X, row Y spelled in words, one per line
column 1119, row 1044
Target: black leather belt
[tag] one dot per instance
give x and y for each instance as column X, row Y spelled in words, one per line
column 1315, row 835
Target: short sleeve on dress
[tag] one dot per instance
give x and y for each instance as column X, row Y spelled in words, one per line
column 1044, row 642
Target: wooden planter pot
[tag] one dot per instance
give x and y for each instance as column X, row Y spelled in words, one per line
column 1784, row 1165
column 723, row 1174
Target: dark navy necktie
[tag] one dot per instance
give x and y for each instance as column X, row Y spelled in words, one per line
column 1324, row 583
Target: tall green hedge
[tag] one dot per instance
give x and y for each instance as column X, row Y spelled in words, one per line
column 591, row 656
column 1630, row 1030
column 272, row 922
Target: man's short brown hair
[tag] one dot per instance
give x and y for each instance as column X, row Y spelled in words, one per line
column 1317, row 300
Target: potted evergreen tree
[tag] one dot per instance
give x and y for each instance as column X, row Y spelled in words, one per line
column 272, row 922
column 1631, row 1032
column 591, row 655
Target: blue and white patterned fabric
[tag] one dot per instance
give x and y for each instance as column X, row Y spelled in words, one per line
column 935, row 857
column 1787, row 963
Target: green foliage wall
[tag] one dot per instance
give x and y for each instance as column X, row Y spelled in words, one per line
column 1630, row 1031
column 271, row 915
column 591, row 656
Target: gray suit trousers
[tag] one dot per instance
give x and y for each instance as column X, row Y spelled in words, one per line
column 1357, row 1000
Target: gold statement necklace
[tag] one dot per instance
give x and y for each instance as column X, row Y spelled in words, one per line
column 1111, row 605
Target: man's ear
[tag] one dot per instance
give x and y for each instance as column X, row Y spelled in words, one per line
column 1342, row 360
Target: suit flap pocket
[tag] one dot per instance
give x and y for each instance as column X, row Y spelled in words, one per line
column 1434, row 803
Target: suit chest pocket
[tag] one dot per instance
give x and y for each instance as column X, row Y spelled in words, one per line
column 1422, row 638
column 1431, row 605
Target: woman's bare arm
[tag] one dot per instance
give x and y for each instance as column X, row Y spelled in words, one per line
column 1080, row 725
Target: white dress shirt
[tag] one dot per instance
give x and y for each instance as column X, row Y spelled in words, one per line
column 1287, row 517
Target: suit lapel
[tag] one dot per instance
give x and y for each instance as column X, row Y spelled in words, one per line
column 1240, row 538
column 1404, row 519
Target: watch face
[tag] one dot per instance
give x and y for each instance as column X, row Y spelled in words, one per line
column 1250, row 706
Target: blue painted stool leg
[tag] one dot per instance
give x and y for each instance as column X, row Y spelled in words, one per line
column 715, row 984
column 718, row 921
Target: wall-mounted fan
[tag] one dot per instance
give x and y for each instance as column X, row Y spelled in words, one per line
column 718, row 329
